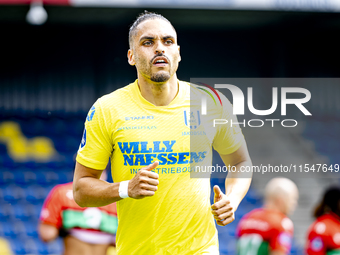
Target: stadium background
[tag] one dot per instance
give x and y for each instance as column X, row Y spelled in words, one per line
column 50, row 75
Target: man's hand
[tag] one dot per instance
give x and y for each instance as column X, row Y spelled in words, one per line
column 145, row 182
column 221, row 209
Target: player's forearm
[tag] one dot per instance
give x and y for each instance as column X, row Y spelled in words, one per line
column 92, row 192
column 47, row 232
column 237, row 183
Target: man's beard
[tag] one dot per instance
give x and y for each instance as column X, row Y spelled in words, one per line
column 160, row 77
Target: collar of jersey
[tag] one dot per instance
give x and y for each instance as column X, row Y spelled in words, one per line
column 146, row 104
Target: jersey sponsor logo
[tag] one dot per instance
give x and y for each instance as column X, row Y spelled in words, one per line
column 143, row 147
column 254, row 224
column 285, row 239
column 91, row 113
column 316, row 244
column 93, row 217
column 192, row 119
column 137, row 127
column 83, row 140
column 144, row 153
column 167, row 170
column 140, row 118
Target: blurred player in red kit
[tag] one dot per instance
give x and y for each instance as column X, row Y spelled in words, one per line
column 324, row 234
column 85, row 231
column 268, row 230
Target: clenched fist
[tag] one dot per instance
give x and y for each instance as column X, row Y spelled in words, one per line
column 221, row 209
column 144, row 183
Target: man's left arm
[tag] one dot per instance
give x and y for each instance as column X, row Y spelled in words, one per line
column 236, row 185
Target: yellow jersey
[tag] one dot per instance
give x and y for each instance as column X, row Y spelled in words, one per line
column 5, row 248
column 123, row 125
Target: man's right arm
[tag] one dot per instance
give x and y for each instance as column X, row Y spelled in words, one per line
column 90, row 191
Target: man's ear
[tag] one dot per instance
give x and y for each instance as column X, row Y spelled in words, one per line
column 131, row 57
column 179, row 54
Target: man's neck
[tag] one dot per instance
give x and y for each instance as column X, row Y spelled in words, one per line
column 158, row 94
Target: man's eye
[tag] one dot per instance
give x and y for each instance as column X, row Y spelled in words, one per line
column 169, row 42
column 147, row 43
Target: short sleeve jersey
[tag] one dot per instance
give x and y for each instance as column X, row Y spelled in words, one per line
column 123, row 125
column 324, row 236
column 262, row 231
column 61, row 211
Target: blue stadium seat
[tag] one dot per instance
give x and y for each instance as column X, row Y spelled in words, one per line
column 17, row 246
column 20, row 229
column 42, row 248
column 8, row 162
column 55, row 247
column 14, row 229
column 253, row 197
column 46, row 177
column 56, row 127
column 70, row 159
column 30, row 246
column 13, row 194
column 3, row 148
column 227, row 246
column 6, row 177
column 222, row 231
column 227, row 231
column 66, row 144
column 37, row 210
column 36, row 194
column 75, row 127
column 65, row 176
column 34, row 127
column 1, row 230
column 32, row 228
column 32, row 165
column 6, row 212
column 2, row 195
column 24, row 212
column 55, row 164
column 24, row 178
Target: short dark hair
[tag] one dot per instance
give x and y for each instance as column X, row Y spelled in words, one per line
column 143, row 17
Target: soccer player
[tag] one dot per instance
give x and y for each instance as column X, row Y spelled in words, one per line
column 324, row 234
column 85, row 231
column 268, row 230
column 143, row 127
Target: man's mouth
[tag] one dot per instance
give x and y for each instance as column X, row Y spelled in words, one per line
column 160, row 61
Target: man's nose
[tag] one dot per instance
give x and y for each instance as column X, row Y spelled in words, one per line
column 159, row 48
